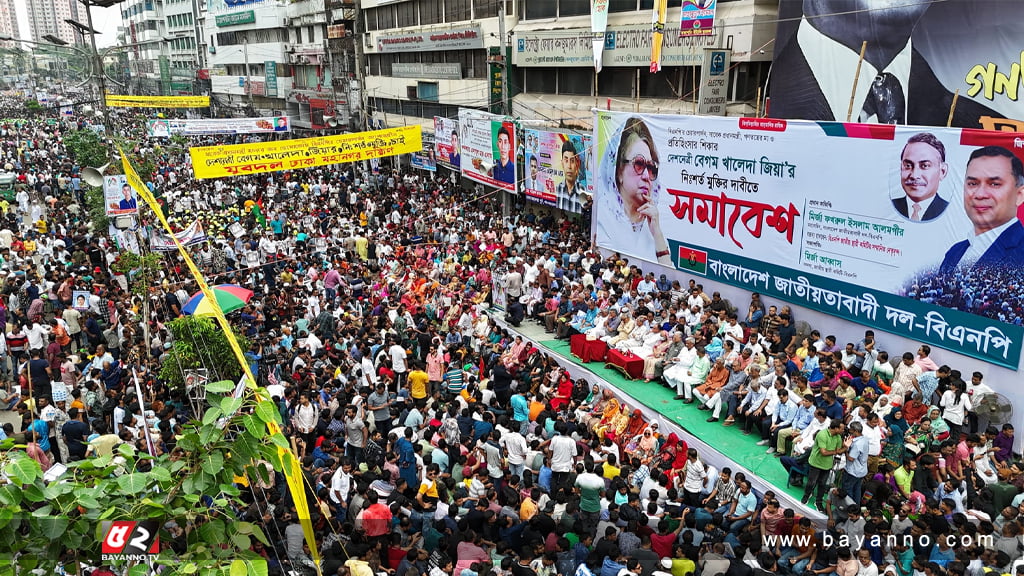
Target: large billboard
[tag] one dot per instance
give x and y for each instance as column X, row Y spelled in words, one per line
column 910, row 230
column 118, row 198
column 488, row 148
column 918, row 56
column 556, row 169
column 446, row 137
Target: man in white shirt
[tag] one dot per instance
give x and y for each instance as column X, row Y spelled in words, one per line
column 562, row 451
column 398, row 363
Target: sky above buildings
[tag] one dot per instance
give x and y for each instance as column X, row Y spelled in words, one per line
column 105, row 20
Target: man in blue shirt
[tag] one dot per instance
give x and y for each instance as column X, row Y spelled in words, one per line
column 504, row 169
column 856, row 462
column 743, row 508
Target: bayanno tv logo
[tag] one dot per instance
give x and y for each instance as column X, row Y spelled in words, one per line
column 130, row 540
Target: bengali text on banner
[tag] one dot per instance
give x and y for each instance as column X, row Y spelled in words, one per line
column 241, row 159
column 878, row 231
column 158, row 101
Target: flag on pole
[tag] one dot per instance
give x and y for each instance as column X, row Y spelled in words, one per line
column 598, row 26
column 658, row 18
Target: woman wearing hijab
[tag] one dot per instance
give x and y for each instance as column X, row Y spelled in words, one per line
column 562, row 392
column 940, row 430
column 629, row 213
column 645, row 445
column 634, row 427
column 611, row 410
column 895, row 446
column 673, row 453
column 883, row 407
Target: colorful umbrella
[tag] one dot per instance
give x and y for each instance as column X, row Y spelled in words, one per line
column 230, row 297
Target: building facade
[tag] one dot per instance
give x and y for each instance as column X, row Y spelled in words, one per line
column 48, row 17
column 9, row 21
column 165, row 46
column 427, row 58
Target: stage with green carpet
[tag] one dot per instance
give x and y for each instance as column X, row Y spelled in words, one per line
column 729, row 440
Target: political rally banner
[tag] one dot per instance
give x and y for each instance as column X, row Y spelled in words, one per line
column 919, row 56
column 158, row 101
column 118, row 198
column 240, row 159
column 162, row 242
column 698, row 18
column 556, row 169
column 488, row 142
column 598, row 26
column 657, row 33
column 425, row 159
column 165, row 127
column 446, row 141
column 910, row 230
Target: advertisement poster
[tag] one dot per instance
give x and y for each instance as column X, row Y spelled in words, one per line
column 236, row 159
column 164, row 128
column 919, row 55
column 425, row 159
column 446, row 141
column 118, row 196
column 557, row 169
column 488, row 143
column 698, row 18
column 878, row 231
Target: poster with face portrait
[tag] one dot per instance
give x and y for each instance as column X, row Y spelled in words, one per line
column 118, row 197
column 446, row 142
column 80, row 300
column 914, row 231
column 488, row 146
column 556, row 171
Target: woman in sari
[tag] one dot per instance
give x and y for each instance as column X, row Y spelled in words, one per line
column 645, row 446
column 608, row 416
column 514, row 352
column 895, row 442
column 634, row 427
column 618, row 425
column 651, row 369
column 940, row 430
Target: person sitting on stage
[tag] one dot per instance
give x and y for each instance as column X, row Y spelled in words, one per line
column 655, row 364
column 607, row 323
column 655, row 335
column 680, row 365
column 694, row 376
column 625, row 329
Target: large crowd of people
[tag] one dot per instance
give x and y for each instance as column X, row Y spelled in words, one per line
column 436, row 440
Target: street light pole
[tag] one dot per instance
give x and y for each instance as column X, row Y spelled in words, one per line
column 100, row 73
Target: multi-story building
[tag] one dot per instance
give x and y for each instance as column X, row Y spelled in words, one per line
column 48, row 17
column 427, row 58
column 182, row 48
column 145, row 29
column 8, row 22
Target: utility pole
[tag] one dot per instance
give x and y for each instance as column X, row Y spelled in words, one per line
column 360, row 68
column 248, row 73
column 98, row 70
column 504, row 63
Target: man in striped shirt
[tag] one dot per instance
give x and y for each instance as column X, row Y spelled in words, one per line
column 454, row 379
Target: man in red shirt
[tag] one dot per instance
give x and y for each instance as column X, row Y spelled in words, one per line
column 376, row 517
column 662, row 543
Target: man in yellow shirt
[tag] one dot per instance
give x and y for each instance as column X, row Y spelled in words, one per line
column 528, row 509
column 418, row 381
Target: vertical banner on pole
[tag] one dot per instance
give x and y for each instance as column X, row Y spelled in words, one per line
column 658, row 18
column 270, row 78
column 598, row 26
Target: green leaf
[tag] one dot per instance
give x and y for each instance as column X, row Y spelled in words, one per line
column 258, row 533
column 267, row 411
column 220, row 387
column 190, row 497
column 6, row 514
column 10, row 495
column 256, row 427
column 126, row 450
column 53, row 527
column 189, row 442
column 139, row 570
column 189, row 568
column 211, row 416
column 241, row 541
column 212, row 463
column 42, row 512
column 88, row 502
column 208, row 434
column 243, row 527
column 133, row 483
column 23, row 470
column 258, row 567
column 160, row 474
column 33, row 493
column 230, row 490
column 212, row 532
column 280, row 441
column 230, row 405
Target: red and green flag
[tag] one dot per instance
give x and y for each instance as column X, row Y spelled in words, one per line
column 692, row 259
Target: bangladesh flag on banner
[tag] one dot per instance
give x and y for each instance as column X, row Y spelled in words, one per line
column 691, row 259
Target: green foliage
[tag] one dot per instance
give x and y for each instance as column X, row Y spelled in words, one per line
column 141, row 270
column 42, row 521
column 200, row 343
column 87, row 148
column 96, row 208
column 33, row 106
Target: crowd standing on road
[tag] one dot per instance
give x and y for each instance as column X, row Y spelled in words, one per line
column 434, row 440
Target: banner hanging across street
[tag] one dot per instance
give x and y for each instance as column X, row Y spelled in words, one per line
column 910, row 230
column 158, row 101
column 238, row 159
column 165, row 127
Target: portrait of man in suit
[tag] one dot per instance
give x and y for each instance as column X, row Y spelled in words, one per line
column 993, row 189
column 922, row 169
column 817, row 54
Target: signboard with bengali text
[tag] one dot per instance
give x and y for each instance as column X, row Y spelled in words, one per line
column 877, row 230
